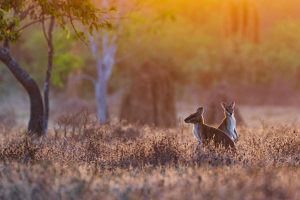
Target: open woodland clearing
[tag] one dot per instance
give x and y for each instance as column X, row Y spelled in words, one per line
column 122, row 161
column 94, row 93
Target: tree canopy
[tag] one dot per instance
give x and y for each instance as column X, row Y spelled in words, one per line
column 17, row 15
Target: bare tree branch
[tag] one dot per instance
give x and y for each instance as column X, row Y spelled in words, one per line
column 31, row 23
column 44, row 31
column 75, row 30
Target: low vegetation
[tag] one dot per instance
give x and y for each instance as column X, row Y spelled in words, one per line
column 122, row 161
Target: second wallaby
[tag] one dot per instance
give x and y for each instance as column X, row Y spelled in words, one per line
column 205, row 133
column 228, row 124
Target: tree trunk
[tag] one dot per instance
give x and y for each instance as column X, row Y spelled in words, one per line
column 49, row 39
column 35, row 126
column 104, row 50
column 102, row 108
column 105, row 63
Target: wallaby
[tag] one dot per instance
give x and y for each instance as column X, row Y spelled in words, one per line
column 228, row 124
column 205, row 133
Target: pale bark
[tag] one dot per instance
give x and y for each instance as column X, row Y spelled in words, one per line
column 104, row 49
column 102, row 108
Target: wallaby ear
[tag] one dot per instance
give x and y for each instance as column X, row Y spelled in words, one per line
column 233, row 104
column 223, row 105
column 200, row 110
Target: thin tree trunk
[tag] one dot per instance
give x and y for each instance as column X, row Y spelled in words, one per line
column 47, row 85
column 35, row 125
column 105, row 64
column 102, row 108
column 104, row 54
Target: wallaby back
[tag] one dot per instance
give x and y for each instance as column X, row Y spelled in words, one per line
column 217, row 136
column 223, row 126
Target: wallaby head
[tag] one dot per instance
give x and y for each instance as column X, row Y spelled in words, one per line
column 228, row 108
column 196, row 117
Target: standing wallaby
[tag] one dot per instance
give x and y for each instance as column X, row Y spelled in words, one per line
column 228, row 124
column 205, row 133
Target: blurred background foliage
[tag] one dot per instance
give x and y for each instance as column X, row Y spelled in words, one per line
column 200, row 42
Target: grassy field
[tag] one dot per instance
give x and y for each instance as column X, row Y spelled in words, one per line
column 122, row 161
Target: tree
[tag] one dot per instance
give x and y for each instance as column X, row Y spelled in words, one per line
column 18, row 15
column 104, row 48
column 242, row 21
column 49, row 38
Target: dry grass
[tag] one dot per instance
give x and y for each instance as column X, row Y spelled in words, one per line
column 131, row 162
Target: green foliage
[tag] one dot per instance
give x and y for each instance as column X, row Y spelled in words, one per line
column 16, row 16
column 66, row 12
column 66, row 58
column 187, row 35
column 64, row 64
column 5, row 24
column 195, row 42
column 168, row 38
